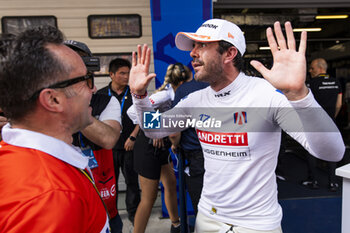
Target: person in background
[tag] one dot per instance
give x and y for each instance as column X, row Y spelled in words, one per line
column 188, row 144
column 328, row 94
column 123, row 150
column 245, row 115
column 104, row 132
column 45, row 92
column 152, row 157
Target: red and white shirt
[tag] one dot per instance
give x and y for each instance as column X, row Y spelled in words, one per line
column 43, row 189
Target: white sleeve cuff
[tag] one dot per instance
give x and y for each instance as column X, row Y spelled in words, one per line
column 306, row 102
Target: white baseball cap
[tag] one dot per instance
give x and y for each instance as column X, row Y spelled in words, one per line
column 210, row 31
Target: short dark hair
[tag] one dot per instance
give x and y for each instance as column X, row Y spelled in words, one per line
column 29, row 66
column 238, row 61
column 116, row 63
column 6, row 42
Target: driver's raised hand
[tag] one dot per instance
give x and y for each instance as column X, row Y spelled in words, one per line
column 139, row 73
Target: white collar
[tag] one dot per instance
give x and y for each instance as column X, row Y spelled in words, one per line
column 50, row 145
column 230, row 88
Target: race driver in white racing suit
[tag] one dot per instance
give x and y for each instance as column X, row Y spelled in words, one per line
column 239, row 120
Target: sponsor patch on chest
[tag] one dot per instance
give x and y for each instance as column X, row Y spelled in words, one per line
column 225, row 146
column 224, row 139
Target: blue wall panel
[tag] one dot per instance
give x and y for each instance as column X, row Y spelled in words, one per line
column 169, row 18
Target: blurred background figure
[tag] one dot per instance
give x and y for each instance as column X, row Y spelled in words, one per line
column 328, row 94
column 123, row 150
column 152, row 156
column 188, row 144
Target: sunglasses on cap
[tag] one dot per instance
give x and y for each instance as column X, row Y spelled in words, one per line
column 89, row 78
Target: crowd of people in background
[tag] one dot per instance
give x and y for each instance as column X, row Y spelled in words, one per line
column 48, row 102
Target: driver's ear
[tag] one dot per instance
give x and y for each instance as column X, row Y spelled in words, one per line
column 230, row 54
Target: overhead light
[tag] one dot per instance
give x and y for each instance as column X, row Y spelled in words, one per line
column 332, row 16
column 307, row 29
column 266, row 48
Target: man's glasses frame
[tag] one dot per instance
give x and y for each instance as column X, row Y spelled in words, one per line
column 89, row 78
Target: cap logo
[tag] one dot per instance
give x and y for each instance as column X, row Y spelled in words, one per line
column 201, row 36
column 230, row 36
column 209, row 25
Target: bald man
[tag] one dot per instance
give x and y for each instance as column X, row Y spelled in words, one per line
column 326, row 89
column 327, row 92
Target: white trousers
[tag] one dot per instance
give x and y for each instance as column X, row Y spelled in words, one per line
column 208, row 225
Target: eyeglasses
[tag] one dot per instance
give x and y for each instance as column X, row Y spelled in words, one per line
column 89, row 78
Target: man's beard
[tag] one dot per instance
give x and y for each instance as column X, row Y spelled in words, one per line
column 210, row 72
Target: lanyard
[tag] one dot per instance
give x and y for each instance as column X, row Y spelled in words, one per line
column 88, row 152
column 98, row 192
column 82, row 145
column 123, row 99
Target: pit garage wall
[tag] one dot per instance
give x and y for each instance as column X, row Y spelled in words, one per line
column 279, row 3
column 72, row 20
column 170, row 17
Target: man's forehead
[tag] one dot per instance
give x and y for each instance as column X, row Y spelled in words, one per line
column 66, row 55
column 124, row 68
column 60, row 51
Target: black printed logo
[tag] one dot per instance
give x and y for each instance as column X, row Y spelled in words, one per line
column 223, row 94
